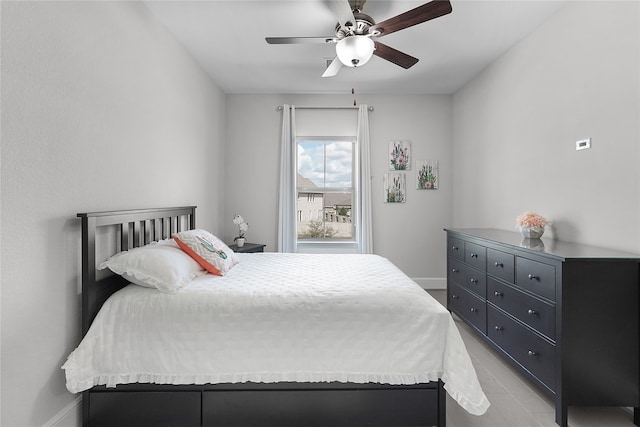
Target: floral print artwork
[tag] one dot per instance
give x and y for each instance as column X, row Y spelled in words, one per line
column 394, row 187
column 399, row 155
column 427, row 176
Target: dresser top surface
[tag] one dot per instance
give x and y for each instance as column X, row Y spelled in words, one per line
column 551, row 247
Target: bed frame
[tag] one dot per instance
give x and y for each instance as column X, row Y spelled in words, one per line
column 227, row 405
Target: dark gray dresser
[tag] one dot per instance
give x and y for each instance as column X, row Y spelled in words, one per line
column 566, row 315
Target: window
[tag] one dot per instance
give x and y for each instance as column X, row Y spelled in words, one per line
column 326, row 184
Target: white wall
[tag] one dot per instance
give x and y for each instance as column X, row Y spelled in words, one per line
column 101, row 110
column 515, row 127
column 409, row 234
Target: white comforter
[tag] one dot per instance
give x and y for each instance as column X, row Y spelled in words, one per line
column 280, row 317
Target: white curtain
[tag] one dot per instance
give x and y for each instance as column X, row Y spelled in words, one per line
column 287, row 232
column 365, row 238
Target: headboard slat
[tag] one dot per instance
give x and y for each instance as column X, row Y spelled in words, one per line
column 157, row 229
column 124, row 236
column 137, row 233
column 165, row 226
column 148, row 231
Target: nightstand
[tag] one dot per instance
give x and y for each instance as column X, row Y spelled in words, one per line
column 248, row 248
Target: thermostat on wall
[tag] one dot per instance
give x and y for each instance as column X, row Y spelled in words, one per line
column 583, row 144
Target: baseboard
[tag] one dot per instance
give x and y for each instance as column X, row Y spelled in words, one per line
column 433, row 283
column 68, row 416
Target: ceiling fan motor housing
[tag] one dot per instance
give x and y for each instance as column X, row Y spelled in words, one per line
column 360, row 27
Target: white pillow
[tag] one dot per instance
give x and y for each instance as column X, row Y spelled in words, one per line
column 162, row 265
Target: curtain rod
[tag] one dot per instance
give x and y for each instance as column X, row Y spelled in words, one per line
column 369, row 108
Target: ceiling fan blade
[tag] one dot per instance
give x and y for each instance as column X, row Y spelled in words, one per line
column 333, row 68
column 420, row 14
column 342, row 10
column 300, row 40
column 393, row 55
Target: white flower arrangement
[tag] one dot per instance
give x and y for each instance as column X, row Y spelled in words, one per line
column 242, row 226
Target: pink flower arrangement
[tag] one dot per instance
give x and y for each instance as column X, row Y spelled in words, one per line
column 531, row 219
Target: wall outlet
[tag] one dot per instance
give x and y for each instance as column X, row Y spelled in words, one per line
column 583, row 144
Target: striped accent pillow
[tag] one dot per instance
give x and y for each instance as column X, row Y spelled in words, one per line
column 210, row 252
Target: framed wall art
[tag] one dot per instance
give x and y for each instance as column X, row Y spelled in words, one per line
column 395, row 187
column 399, row 155
column 427, row 174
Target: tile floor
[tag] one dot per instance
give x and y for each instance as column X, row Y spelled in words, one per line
column 515, row 402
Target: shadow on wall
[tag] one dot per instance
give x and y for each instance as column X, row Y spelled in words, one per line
column 564, row 230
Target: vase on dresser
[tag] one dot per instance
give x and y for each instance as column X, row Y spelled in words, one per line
column 534, row 232
column 240, row 241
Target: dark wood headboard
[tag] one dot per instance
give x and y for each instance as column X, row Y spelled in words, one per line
column 132, row 228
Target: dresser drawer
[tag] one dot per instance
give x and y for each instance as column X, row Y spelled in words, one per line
column 536, row 277
column 531, row 351
column 475, row 281
column 455, row 248
column 456, row 270
column 530, row 310
column 475, row 255
column 468, row 306
column 468, row 277
column 500, row 264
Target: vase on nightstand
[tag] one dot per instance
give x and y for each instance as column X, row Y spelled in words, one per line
column 240, row 242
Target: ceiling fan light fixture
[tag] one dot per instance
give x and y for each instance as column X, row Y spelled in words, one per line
column 355, row 51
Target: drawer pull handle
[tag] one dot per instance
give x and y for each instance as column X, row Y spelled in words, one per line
column 532, row 312
column 455, row 248
column 474, row 310
column 473, row 280
column 498, row 264
column 474, row 255
column 499, row 328
column 454, row 270
column 532, row 353
column 532, row 277
column 498, row 294
column 454, row 296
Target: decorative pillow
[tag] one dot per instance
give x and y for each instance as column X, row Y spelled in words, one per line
column 162, row 265
column 209, row 251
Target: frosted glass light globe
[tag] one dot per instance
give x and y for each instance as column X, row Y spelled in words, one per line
column 354, row 51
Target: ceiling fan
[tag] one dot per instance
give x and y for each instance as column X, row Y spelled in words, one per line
column 356, row 31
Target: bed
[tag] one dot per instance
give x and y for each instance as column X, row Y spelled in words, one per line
column 319, row 358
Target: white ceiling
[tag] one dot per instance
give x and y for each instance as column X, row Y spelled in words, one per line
column 227, row 38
